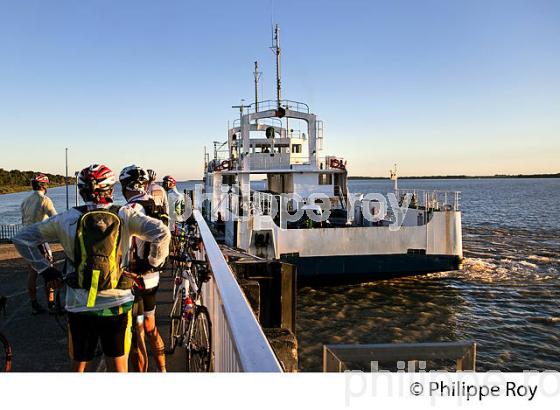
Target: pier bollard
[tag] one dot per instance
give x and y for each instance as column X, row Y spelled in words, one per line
column 285, row 346
column 277, row 290
column 252, row 291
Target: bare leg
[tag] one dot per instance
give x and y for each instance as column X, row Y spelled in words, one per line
column 49, row 293
column 139, row 351
column 133, row 355
column 79, row 366
column 32, row 284
column 117, row 364
column 156, row 342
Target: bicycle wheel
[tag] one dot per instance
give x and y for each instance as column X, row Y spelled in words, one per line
column 200, row 274
column 5, row 354
column 199, row 347
column 60, row 310
column 174, row 252
column 175, row 276
column 176, row 325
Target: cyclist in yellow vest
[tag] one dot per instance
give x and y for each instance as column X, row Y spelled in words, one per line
column 36, row 208
column 98, row 291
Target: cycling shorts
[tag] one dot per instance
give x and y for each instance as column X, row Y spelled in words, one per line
column 144, row 302
column 85, row 330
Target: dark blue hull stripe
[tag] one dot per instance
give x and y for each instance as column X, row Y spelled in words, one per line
column 369, row 267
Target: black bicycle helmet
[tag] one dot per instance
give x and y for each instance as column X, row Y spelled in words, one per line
column 133, row 178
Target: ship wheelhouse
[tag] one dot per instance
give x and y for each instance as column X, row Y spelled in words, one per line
column 282, row 146
column 272, row 166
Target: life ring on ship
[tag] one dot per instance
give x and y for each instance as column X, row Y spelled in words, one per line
column 224, row 165
column 337, row 163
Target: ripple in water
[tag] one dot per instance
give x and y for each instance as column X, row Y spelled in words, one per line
column 507, row 299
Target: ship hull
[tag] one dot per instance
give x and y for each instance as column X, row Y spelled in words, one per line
column 363, row 268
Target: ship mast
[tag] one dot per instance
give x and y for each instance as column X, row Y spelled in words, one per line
column 257, row 75
column 276, row 49
column 394, row 177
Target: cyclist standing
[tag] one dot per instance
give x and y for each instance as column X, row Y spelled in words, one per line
column 156, row 191
column 176, row 201
column 36, row 208
column 134, row 182
column 96, row 240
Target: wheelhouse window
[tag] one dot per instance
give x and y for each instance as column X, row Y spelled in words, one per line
column 296, row 149
column 325, row 179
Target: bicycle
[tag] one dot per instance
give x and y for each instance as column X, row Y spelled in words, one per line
column 190, row 243
column 179, row 242
column 57, row 307
column 190, row 321
column 6, row 354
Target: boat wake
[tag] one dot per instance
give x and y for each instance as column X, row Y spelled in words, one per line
column 500, row 254
column 506, row 298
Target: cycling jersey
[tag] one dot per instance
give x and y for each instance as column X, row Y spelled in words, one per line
column 62, row 228
column 36, row 208
column 159, row 195
column 176, row 207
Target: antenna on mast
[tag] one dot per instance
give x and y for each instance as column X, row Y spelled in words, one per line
column 276, row 49
column 394, row 177
column 257, row 75
column 206, row 159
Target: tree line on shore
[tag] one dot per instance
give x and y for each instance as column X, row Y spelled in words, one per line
column 16, row 180
column 557, row 175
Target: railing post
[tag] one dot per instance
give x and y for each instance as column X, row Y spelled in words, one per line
column 238, row 340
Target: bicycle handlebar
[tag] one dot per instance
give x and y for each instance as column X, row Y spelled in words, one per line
column 186, row 258
column 3, row 303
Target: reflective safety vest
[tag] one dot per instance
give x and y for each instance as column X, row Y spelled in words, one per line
column 98, row 253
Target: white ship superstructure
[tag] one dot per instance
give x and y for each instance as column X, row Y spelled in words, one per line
column 280, row 143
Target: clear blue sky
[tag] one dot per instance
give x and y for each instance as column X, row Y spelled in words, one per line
column 441, row 87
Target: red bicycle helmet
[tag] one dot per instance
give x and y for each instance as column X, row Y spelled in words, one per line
column 169, row 182
column 95, row 184
column 39, row 181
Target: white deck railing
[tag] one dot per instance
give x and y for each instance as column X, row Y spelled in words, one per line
column 238, row 342
column 7, row 232
column 432, row 199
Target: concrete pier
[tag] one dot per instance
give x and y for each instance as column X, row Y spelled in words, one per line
column 40, row 343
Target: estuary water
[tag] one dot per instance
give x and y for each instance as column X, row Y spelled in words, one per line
column 507, row 297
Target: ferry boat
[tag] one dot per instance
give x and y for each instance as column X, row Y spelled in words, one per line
column 261, row 190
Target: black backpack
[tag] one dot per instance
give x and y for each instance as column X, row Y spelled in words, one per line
column 141, row 265
column 153, row 210
column 97, row 257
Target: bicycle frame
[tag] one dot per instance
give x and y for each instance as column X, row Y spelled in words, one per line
column 187, row 288
column 4, row 344
column 189, row 275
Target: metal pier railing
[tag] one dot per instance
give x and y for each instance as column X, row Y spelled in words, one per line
column 238, row 342
column 7, row 232
column 339, row 358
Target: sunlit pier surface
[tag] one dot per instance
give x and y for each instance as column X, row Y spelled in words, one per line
column 239, row 343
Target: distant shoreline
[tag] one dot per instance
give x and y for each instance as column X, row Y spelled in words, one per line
column 12, row 189
column 464, row 177
column 14, row 180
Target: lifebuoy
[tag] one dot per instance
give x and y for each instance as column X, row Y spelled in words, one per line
column 226, row 164
column 336, row 163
